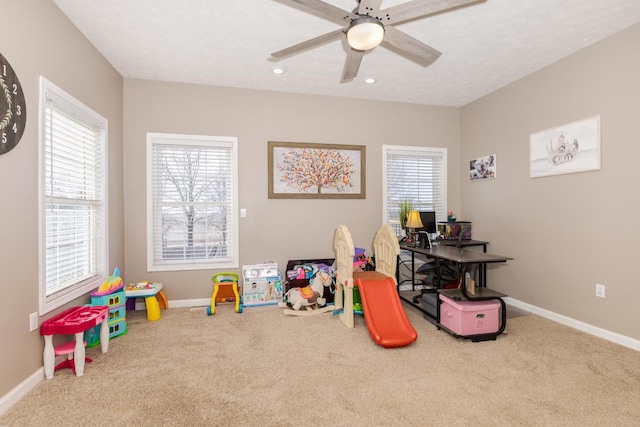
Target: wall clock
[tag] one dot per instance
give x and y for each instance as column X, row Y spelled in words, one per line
column 13, row 110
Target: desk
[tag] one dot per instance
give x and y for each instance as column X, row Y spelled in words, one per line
column 74, row 320
column 449, row 243
column 464, row 258
column 463, row 243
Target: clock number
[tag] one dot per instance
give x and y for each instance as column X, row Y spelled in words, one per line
column 13, row 105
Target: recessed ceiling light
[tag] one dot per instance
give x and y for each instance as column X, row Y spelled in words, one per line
column 370, row 81
column 278, row 71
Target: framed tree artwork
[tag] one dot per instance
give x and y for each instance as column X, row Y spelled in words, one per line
column 316, row 171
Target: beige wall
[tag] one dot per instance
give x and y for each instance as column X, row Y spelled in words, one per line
column 37, row 39
column 566, row 232
column 276, row 230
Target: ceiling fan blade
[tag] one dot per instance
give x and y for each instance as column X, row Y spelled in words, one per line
column 369, row 7
column 328, row 11
column 418, row 8
column 352, row 65
column 408, row 46
column 314, row 42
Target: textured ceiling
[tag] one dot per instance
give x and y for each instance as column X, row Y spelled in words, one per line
column 484, row 46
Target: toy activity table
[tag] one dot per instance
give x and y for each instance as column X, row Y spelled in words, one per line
column 73, row 321
column 153, row 297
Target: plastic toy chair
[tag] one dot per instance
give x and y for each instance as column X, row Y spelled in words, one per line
column 225, row 289
column 68, row 349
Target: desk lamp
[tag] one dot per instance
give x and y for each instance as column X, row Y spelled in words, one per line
column 413, row 222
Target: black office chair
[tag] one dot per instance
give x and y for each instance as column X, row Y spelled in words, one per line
column 449, row 272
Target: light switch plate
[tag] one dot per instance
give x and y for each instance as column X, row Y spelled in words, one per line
column 33, row 321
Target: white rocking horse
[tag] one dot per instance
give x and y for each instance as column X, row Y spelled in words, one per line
column 310, row 297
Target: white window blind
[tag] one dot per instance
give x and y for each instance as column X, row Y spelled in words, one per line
column 73, row 197
column 192, row 188
column 417, row 174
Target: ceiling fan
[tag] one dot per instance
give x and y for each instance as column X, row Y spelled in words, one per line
column 368, row 26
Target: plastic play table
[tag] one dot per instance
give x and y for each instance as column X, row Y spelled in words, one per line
column 151, row 292
column 74, row 321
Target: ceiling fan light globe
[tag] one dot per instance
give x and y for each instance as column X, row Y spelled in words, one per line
column 365, row 34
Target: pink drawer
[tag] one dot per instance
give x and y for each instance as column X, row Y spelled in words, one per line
column 467, row 318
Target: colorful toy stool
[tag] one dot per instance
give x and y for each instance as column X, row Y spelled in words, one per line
column 68, row 348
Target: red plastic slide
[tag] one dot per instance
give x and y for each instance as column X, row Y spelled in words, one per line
column 386, row 319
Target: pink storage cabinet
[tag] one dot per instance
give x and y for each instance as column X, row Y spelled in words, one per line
column 468, row 318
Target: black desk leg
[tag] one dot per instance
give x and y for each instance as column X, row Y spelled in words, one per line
column 413, row 270
column 503, row 320
column 483, row 269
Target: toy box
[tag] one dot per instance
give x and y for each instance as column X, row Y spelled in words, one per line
column 452, row 229
column 293, row 265
column 466, row 318
column 261, row 284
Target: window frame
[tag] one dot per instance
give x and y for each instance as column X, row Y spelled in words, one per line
column 73, row 107
column 439, row 152
column 188, row 140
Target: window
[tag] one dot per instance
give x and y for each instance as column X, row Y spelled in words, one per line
column 418, row 174
column 192, row 199
column 72, row 198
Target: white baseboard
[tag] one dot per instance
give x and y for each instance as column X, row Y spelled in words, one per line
column 9, row 399
column 202, row 302
column 576, row 324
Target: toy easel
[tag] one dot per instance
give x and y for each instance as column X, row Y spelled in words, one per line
column 225, row 289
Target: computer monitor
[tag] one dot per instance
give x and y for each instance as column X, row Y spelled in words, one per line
column 428, row 219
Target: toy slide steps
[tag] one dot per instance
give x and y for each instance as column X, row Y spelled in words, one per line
column 386, row 319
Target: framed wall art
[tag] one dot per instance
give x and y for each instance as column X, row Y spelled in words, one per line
column 316, row 171
column 574, row 147
column 483, row 168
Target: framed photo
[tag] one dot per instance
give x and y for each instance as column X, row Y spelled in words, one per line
column 316, row 171
column 483, row 168
column 574, row 147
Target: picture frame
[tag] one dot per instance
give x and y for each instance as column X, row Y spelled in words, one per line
column 300, row 170
column 483, row 168
column 573, row 147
